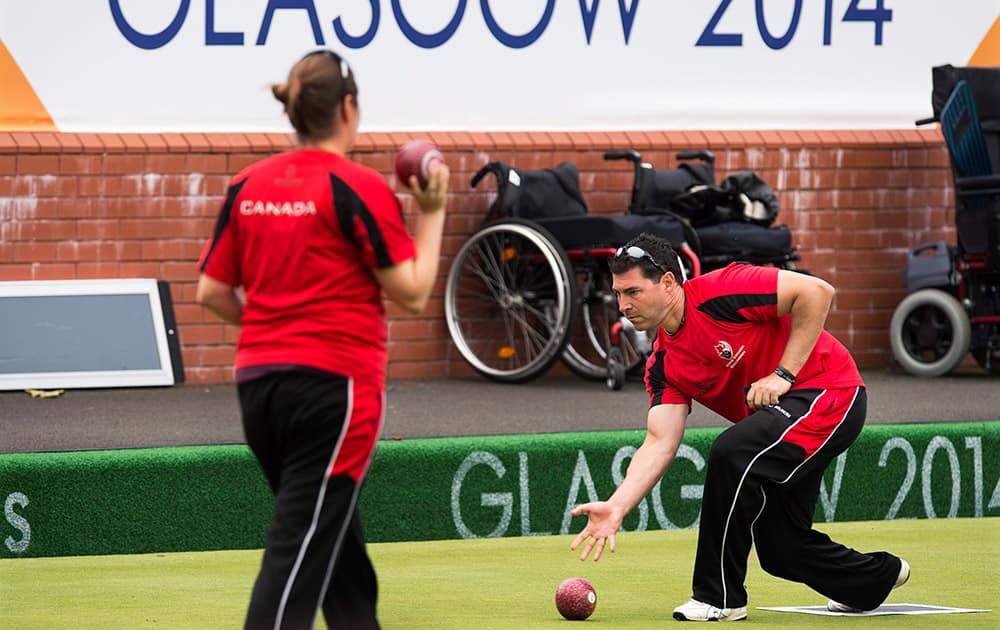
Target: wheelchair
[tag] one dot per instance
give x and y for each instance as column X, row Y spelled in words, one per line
column 531, row 285
column 953, row 302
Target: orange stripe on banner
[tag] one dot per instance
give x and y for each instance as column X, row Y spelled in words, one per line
column 988, row 51
column 20, row 107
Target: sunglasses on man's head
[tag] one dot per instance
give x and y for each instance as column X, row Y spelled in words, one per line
column 638, row 253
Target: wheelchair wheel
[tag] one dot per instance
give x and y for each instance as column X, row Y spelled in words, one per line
column 600, row 328
column 508, row 301
column 929, row 333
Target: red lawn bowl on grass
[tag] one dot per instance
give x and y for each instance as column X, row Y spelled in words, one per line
column 576, row 599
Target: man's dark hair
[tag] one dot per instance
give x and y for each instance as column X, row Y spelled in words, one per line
column 660, row 258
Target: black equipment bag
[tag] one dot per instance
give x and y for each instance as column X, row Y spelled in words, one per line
column 659, row 187
column 742, row 196
column 547, row 193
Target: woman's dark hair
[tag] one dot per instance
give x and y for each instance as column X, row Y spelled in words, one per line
column 317, row 85
column 653, row 256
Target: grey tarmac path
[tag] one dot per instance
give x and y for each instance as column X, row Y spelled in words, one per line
column 209, row 414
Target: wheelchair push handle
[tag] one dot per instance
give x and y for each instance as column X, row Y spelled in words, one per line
column 496, row 167
column 635, row 158
column 628, row 154
column 701, row 154
column 939, row 247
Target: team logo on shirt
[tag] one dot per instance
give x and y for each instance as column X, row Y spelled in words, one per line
column 724, row 349
column 725, row 352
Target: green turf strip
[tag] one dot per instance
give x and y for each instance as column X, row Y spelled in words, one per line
column 208, row 498
column 502, row 583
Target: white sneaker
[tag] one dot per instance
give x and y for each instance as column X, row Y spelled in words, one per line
column 904, row 575
column 694, row 610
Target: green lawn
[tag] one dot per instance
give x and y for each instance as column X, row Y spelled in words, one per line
column 502, row 583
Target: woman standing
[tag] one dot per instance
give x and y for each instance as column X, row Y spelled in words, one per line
column 314, row 239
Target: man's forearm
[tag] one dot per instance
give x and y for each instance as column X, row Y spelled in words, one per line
column 648, row 464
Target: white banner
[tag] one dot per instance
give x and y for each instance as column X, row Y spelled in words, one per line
column 205, row 65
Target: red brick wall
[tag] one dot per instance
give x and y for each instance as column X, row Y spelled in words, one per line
column 130, row 205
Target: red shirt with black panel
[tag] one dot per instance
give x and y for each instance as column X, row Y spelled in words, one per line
column 732, row 336
column 301, row 232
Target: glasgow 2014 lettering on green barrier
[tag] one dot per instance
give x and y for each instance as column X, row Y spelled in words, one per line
column 530, row 494
column 18, row 522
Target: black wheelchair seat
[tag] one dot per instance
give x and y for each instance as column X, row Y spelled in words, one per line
column 746, row 241
column 597, row 231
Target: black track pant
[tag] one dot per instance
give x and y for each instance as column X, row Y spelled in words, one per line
column 761, row 487
column 302, row 427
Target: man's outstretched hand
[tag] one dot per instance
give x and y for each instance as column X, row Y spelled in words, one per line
column 603, row 522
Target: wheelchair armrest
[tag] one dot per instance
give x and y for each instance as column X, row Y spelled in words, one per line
column 976, row 186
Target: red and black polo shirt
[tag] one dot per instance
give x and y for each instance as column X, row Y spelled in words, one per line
column 301, row 232
column 732, row 336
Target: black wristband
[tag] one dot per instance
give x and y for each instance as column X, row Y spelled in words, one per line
column 785, row 374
